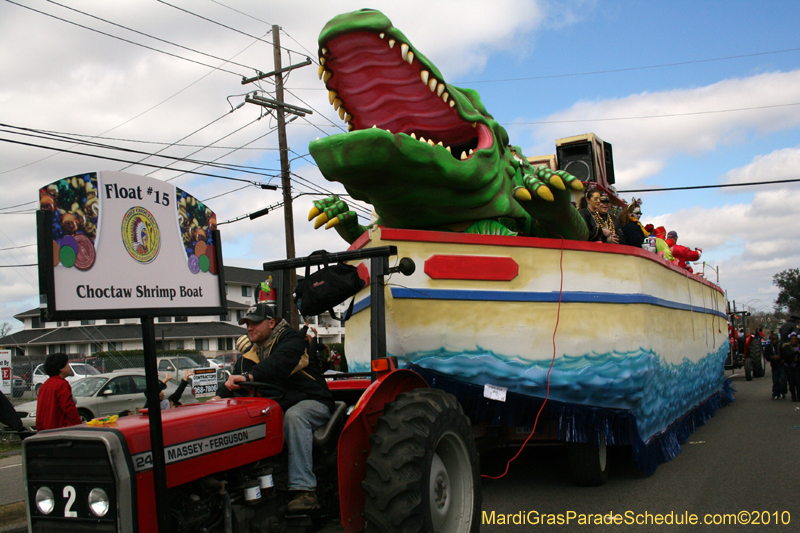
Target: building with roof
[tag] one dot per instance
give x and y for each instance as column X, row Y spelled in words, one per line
column 212, row 335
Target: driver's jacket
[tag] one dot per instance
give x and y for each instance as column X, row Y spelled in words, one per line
column 285, row 364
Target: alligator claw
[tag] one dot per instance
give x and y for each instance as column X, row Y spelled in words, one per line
column 556, row 182
column 320, row 221
column 314, row 212
column 545, row 193
column 576, row 185
column 522, row 194
column 332, row 223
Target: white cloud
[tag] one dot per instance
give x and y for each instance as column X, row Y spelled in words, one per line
column 642, row 147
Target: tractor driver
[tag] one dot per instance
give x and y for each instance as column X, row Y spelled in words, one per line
column 307, row 404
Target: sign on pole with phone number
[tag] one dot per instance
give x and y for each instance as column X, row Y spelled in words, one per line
column 204, row 384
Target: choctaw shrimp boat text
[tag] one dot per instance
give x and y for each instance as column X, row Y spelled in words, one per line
column 640, row 343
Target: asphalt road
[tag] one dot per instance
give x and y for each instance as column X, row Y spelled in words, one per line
column 746, row 458
column 11, row 489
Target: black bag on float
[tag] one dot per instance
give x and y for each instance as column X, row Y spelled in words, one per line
column 326, row 288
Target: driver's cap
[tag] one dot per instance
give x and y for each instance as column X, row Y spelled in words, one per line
column 258, row 313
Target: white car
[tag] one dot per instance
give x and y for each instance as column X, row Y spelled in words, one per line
column 102, row 395
column 79, row 371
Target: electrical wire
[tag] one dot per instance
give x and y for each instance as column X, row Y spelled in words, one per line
column 212, row 21
column 17, row 247
column 311, row 55
column 151, row 36
column 721, row 186
column 240, row 12
column 628, row 69
column 231, row 167
column 652, row 116
column 125, row 40
column 63, row 150
column 18, row 205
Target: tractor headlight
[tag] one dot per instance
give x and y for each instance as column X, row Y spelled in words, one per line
column 98, row 502
column 45, row 501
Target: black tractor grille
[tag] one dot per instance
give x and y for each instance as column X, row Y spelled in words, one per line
column 70, row 469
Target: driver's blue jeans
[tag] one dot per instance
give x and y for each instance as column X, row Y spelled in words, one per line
column 299, row 423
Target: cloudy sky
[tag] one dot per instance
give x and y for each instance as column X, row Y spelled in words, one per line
column 688, row 93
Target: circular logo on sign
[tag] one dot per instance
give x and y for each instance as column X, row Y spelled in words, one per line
column 140, row 234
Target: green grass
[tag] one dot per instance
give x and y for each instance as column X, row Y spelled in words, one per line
column 12, row 513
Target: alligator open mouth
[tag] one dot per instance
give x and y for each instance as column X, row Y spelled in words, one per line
column 375, row 81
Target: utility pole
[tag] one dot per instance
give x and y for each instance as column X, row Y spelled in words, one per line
column 281, row 107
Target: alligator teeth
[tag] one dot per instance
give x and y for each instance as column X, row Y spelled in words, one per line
column 341, row 113
column 424, row 75
column 324, row 51
column 471, row 151
column 404, row 51
column 387, row 129
column 440, row 89
column 452, row 103
column 474, row 124
column 350, row 127
column 336, row 104
column 321, row 71
column 422, row 139
column 463, row 155
column 391, row 43
column 413, row 136
column 374, row 126
column 410, row 57
column 321, row 60
column 431, row 142
column 382, row 35
column 448, row 149
column 432, row 84
column 332, row 96
column 445, row 96
column 327, row 76
column 348, row 117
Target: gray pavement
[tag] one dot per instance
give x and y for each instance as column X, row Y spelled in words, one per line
column 744, row 459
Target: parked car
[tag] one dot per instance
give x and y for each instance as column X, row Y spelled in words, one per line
column 107, row 394
column 217, row 363
column 79, row 371
column 176, row 366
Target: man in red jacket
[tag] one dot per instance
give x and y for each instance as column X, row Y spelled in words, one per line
column 681, row 253
column 56, row 407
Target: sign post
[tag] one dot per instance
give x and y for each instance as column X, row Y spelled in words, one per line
column 117, row 245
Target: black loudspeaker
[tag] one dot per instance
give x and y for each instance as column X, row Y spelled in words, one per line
column 577, row 159
column 587, row 158
column 609, row 157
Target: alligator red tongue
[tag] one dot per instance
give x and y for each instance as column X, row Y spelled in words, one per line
column 377, row 87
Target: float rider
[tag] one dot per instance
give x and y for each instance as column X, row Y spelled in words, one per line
column 307, row 402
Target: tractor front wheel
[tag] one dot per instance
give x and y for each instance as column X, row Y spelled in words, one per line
column 423, row 470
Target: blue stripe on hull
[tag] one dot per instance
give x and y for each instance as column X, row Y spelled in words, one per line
column 545, row 297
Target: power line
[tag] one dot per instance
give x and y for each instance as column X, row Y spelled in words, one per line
column 18, row 266
column 150, row 36
column 63, row 150
column 185, row 137
column 18, row 205
column 231, row 167
column 17, row 247
column 240, row 12
column 125, row 40
column 652, row 116
column 721, row 186
column 212, row 21
column 609, row 71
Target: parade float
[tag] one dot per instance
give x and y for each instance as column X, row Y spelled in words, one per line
column 510, row 308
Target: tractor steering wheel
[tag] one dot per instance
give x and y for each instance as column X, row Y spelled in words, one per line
column 268, row 390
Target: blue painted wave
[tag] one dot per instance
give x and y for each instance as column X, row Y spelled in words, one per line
column 656, row 392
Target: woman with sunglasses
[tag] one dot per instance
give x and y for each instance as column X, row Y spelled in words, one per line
column 631, row 221
column 602, row 226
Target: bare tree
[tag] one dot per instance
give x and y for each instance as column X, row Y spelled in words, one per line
column 5, row 328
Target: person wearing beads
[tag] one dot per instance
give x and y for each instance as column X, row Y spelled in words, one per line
column 602, row 226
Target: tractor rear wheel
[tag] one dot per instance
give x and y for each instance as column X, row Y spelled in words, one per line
column 423, row 470
column 748, row 369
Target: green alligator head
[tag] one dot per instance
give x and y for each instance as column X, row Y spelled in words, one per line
column 424, row 153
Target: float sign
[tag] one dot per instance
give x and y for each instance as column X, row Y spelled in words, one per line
column 113, row 244
column 6, row 377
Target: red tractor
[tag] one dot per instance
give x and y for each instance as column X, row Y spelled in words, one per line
column 396, row 455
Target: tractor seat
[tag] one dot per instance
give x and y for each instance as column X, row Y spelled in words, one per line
column 323, row 433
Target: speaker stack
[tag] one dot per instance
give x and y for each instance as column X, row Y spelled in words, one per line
column 587, row 157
